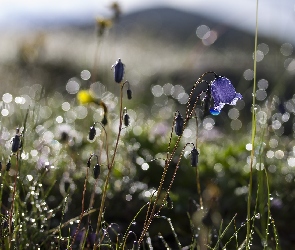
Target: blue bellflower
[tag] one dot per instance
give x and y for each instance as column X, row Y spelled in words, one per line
column 223, row 92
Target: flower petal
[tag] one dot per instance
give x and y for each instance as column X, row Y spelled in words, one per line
column 223, row 92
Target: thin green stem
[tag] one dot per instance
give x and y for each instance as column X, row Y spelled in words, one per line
column 248, row 236
column 110, row 167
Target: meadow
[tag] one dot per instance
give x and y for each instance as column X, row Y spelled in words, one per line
column 170, row 147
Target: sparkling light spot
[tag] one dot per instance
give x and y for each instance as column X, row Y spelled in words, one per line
column 7, row 98
column 85, row 74
column 145, row 166
column 4, row 112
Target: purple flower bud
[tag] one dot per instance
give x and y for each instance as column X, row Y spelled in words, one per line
column 126, row 120
column 92, row 133
column 223, row 92
column 118, row 71
column 179, row 124
column 129, row 94
column 194, row 157
column 96, row 171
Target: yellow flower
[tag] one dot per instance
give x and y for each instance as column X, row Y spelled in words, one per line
column 85, row 96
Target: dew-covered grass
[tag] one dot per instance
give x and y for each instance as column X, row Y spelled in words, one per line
column 159, row 170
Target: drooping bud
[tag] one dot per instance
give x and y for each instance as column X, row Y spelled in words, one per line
column 118, row 71
column 129, row 94
column 16, row 142
column 126, row 120
column 104, row 120
column 8, row 166
column 92, row 132
column 194, row 157
column 96, row 171
column 179, row 124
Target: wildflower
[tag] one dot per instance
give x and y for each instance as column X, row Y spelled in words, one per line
column 194, row 157
column 223, row 92
column 116, row 8
column 85, row 97
column 179, row 124
column 96, row 171
column 118, row 71
column 102, row 24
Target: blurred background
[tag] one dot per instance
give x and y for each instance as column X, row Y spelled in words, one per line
column 52, row 49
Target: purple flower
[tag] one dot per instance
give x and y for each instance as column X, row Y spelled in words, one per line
column 223, row 92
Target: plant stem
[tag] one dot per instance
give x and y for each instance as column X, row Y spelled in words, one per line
column 110, row 167
column 248, row 236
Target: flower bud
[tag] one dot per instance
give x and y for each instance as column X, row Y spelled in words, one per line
column 96, row 171
column 194, row 157
column 126, row 120
column 179, row 125
column 118, row 71
column 104, row 120
column 92, row 133
column 129, row 94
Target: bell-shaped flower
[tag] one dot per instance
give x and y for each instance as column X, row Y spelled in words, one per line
column 223, row 92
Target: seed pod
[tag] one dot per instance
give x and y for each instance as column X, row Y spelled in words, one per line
column 126, row 120
column 179, row 125
column 96, row 171
column 194, row 157
column 118, row 71
column 129, row 94
column 92, row 133
column 0, row 165
column 8, row 166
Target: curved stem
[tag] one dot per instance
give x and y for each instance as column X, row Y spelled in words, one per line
column 110, row 167
column 82, row 212
column 170, row 156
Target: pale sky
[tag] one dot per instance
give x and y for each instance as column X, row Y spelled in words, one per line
column 276, row 17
